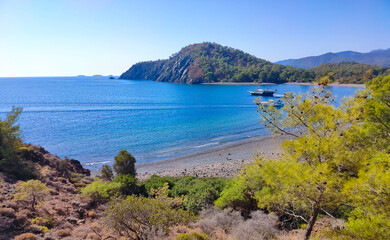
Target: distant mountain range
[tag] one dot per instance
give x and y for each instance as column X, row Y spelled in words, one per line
column 376, row 57
column 211, row 62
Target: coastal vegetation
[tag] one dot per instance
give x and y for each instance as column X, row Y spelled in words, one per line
column 211, row 62
column 350, row 72
column 11, row 146
column 330, row 182
column 336, row 165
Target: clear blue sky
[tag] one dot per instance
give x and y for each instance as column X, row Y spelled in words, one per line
column 71, row 37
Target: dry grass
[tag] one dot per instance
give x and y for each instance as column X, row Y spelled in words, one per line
column 229, row 224
column 64, row 232
column 7, row 212
column 27, row 236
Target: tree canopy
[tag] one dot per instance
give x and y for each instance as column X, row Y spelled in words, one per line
column 331, row 167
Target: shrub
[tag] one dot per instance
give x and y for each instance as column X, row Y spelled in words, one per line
column 32, row 191
column 11, row 147
column 93, row 236
column 124, row 163
column 107, row 173
column 91, row 214
column 34, row 228
column 230, row 224
column 203, row 193
column 47, row 221
column 128, row 184
column 26, row 236
column 260, row 226
column 81, row 232
column 64, row 232
column 44, row 229
column 155, row 182
column 212, row 220
column 198, row 192
column 100, row 192
column 7, row 212
column 140, row 217
column 183, row 186
column 192, row 236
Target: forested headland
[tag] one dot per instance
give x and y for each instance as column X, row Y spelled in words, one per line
column 211, row 62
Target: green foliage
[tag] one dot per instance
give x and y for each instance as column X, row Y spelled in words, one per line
column 47, row 221
column 198, row 193
column 192, row 236
column 10, row 147
column 101, row 191
column 370, row 194
column 124, row 163
column 32, row 192
column 142, row 218
column 239, row 191
column 377, row 113
column 350, row 72
column 107, row 173
column 156, row 181
column 128, row 185
column 211, row 62
column 317, row 164
column 338, row 157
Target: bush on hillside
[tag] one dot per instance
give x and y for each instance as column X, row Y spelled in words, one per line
column 100, row 191
column 10, row 147
column 107, row 173
column 31, row 192
column 124, row 163
column 143, row 218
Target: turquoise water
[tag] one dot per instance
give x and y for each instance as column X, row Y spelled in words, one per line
column 92, row 119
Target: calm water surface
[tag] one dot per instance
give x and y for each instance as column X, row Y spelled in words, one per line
column 92, row 119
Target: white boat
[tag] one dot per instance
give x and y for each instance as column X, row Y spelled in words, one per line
column 283, row 95
column 275, row 103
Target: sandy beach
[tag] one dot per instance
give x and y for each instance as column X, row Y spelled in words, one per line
column 222, row 161
column 296, row 83
column 237, row 83
column 331, row 84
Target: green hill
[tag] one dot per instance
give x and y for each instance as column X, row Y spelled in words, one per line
column 211, row 62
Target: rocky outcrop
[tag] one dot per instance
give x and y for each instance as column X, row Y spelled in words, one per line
column 63, row 209
column 39, row 155
column 144, row 71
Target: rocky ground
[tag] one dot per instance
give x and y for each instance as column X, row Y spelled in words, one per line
column 65, row 214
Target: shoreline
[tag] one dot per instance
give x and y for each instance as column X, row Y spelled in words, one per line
column 237, row 83
column 360, row 85
column 221, row 161
column 355, row 85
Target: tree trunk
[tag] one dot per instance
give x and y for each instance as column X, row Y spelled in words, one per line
column 312, row 220
column 33, row 203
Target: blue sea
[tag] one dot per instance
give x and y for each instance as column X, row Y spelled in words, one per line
column 92, row 118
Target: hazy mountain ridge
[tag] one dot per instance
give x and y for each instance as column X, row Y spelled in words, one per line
column 380, row 57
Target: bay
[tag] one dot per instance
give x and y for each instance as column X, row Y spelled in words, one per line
column 92, row 118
